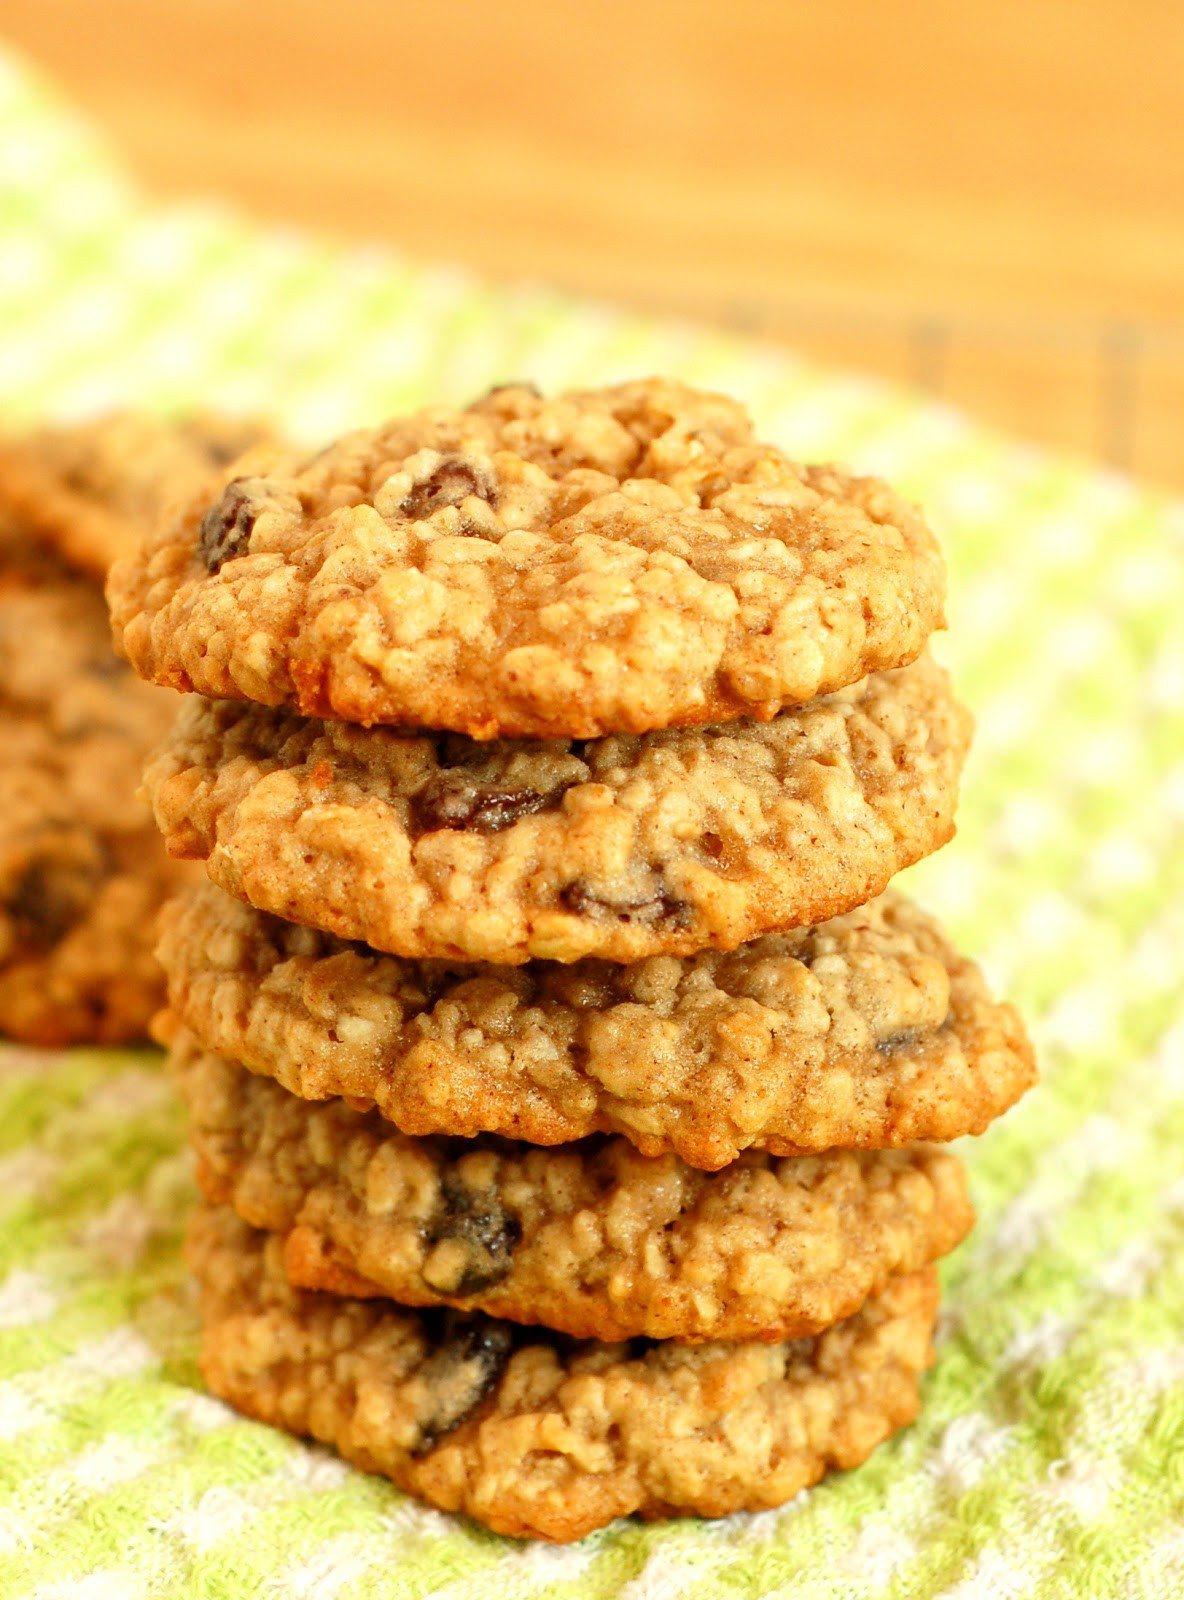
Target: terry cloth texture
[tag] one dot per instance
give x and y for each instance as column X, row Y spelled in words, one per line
column 1047, row 1460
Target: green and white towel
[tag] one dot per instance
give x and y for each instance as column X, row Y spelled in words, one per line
column 1049, row 1457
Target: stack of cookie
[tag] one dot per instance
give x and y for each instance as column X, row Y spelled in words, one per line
column 82, row 871
column 563, row 1082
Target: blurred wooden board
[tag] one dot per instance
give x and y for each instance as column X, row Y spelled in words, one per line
column 987, row 198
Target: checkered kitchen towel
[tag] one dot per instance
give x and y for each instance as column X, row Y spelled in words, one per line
column 1049, row 1458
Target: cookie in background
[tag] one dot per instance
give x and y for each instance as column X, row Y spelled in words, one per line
column 82, row 870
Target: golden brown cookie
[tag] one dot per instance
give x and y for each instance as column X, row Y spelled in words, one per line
column 606, row 561
column 865, row 1032
column 592, row 1239
column 625, row 847
column 537, row 1435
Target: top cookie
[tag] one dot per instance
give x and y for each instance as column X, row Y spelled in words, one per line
column 607, row 561
column 92, row 491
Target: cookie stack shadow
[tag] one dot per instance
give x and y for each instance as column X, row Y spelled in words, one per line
column 567, row 1087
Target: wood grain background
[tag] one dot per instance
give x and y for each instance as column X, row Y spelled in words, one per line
column 985, row 198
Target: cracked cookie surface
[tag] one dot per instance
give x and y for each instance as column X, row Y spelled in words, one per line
column 534, row 1434
column 623, row 847
column 94, row 490
column 867, row 1031
column 592, row 1239
column 613, row 560
column 82, row 870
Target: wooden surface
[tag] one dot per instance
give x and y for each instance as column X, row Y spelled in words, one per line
column 986, row 198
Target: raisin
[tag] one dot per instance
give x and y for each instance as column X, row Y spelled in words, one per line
column 898, row 1043
column 55, row 890
column 710, row 487
column 487, row 1233
column 226, row 527
column 221, row 452
column 451, row 482
column 449, row 801
column 105, row 669
column 470, row 1355
column 659, row 907
column 500, row 388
